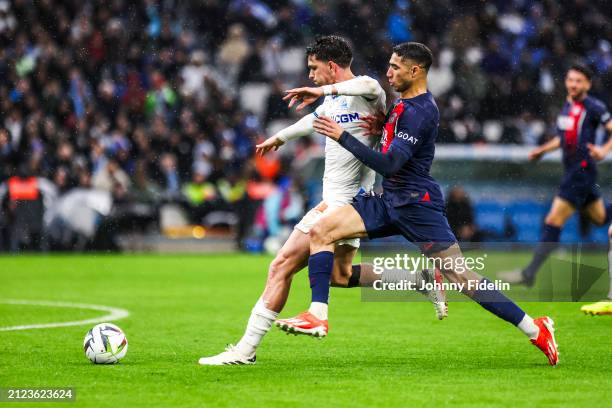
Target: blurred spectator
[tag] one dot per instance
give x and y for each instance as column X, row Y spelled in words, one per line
column 111, row 177
column 460, row 214
column 23, row 198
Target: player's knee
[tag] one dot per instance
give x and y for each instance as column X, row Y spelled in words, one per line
column 554, row 220
column 319, row 234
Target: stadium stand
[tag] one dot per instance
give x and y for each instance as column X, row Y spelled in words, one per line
column 142, row 99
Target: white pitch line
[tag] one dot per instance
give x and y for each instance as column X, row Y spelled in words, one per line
column 114, row 313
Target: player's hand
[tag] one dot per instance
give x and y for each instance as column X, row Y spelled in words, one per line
column 327, row 127
column 306, row 96
column 536, row 154
column 373, row 124
column 271, row 143
column 597, row 152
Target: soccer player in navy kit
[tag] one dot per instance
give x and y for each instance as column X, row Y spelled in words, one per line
column 577, row 124
column 411, row 204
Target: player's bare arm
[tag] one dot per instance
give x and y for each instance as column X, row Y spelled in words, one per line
column 272, row 143
column 538, row 152
column 356, row 86
column 307, row 96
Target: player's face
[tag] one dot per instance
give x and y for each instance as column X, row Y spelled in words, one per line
column 320, row 72
column 401, row 73
column 577, row 84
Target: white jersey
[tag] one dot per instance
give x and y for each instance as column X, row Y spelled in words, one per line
column 344, row 174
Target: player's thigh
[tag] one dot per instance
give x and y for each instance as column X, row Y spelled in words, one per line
column 560, row 211
column 338, row 223
column 292, row 257
column 596, row 211
column 343, row 264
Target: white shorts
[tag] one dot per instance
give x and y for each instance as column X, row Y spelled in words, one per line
column 313, row 216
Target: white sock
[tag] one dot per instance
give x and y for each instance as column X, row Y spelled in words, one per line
column 400, row 275
column 319, row 310
column 528, row 327
column 259, row 323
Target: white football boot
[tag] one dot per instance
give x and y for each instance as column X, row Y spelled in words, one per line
column 231, row 356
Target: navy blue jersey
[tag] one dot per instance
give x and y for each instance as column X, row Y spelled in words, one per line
column 408, row 146
column 576, row 126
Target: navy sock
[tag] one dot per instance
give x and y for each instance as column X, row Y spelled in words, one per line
column 499, row 304
column 608, row 214
column 320, row 267
column 355, row 275
column 548, row 242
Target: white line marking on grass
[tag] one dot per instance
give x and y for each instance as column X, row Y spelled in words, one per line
column 114, row 313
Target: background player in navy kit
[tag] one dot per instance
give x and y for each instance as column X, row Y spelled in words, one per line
column 577, row 124
column 411, row 203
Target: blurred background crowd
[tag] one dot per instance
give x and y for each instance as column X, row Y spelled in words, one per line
column 137, row 115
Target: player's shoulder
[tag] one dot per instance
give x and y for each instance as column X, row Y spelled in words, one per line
column 423, row 106
column 592, row 102
column 370, row 80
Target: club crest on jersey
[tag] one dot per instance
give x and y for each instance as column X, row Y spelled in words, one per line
column 340, row 101
column 565, row 122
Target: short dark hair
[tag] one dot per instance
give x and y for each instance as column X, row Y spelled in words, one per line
column 416, row 52
column 331, row 48
column 583, row 69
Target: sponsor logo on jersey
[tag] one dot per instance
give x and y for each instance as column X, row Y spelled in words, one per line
column 565, row 122
column 407, row 137
column 346, row 117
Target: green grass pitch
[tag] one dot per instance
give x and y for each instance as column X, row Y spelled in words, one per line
column 377, row 354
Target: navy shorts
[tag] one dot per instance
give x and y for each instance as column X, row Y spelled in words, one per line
column 419, row 223
column 580, row 188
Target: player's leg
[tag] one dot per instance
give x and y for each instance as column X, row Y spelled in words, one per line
column 339, row 223
column 604, row 307
column 290, row 259
column 540, row 331
column 560, row 211
column 348, row 275
column 344, row 273
column 598, row 213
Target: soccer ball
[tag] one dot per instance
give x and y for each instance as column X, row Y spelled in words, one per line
column 105, row 344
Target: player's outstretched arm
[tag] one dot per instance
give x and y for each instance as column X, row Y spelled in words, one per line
column 302, row 127
column 358, row 86
column 386, row 164
column 538, row 152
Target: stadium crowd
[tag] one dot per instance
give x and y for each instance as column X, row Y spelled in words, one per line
column 163, row 101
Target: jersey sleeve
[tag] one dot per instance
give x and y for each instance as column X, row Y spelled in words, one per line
column 408, row 138
column 601, row 113
column 363, row 85
column 409, row 132
column 302, row 127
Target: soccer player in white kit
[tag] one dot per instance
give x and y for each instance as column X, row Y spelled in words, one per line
column 350, row 100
